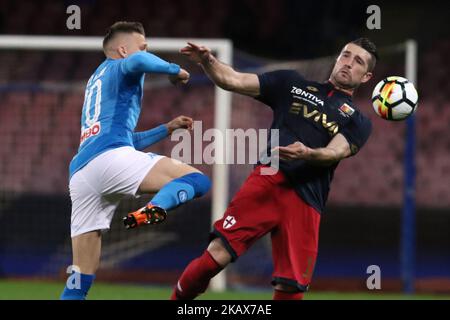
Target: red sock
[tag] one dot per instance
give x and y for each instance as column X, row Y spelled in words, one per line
column 195, row 278
column 281, row 295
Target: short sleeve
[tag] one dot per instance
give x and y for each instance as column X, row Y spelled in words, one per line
column 273, row 84
column 357, row 132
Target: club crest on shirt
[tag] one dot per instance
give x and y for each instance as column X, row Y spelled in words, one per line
column 229, row 222
column 346, row 110
column 312, row 89
column 182, row 196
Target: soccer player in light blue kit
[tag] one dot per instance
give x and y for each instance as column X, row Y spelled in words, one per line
column 109, row 164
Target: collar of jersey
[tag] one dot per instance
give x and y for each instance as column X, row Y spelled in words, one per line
column 330, row 86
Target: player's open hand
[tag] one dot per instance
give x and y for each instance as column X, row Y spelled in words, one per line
column 182, row 77
column 196, row 53
column 295, row 151
column 181, row 122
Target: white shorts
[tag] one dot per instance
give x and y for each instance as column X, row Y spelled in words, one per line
column 97, row 188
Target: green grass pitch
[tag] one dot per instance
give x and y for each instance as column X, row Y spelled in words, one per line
column 43, row 290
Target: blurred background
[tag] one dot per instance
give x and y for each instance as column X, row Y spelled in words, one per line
column 41, row 96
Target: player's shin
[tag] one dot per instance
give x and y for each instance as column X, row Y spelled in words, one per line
column 77, row 286
column 195, row 278
column 171, row 195
column 181, row 190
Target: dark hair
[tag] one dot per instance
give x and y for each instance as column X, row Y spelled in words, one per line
column 370, row 47
column 125, row 27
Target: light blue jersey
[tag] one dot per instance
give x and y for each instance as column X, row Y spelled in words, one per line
column 112, row 104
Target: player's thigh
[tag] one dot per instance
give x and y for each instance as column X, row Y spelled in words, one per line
column 295, row 243
column 164, row 171
column 251, row 214
column 91, row 210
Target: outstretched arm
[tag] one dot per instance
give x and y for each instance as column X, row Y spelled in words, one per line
column 221, row 74
column 145, row 62
column 144, row 139
column 335, row 151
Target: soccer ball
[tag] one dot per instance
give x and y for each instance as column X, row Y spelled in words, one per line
column 394, row 98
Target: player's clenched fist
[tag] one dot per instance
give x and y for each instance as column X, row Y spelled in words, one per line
column 181, row 122
column 197, row 54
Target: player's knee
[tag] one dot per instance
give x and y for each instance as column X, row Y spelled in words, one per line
column 219, row 253
column 200, row 182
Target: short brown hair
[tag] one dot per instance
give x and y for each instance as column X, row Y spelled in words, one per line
column 371, row 48
column 125, row 27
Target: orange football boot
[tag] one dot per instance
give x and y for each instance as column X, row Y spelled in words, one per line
column 149, row 214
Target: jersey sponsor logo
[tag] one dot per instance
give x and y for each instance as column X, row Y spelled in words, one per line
column 306, row 96
column 316, row 116
column 346, row 110
column 90, row 132
column 229, row 222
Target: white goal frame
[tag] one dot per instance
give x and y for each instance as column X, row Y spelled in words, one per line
column 222, row 106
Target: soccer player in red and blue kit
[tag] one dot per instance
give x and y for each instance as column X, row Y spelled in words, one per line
column 318, row 127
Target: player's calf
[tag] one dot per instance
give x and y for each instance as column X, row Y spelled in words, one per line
column 86, row 258
column 195, row 278
column 181, row 190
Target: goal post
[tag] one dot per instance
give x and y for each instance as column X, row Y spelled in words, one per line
column 408, row 228
column 223, row 49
